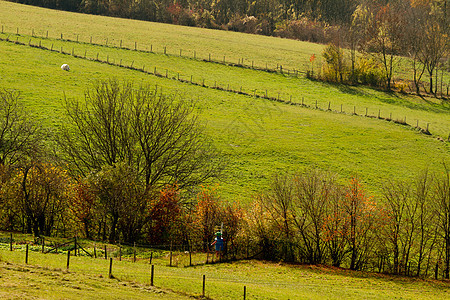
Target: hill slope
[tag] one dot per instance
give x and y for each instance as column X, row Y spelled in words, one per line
column 258, row 137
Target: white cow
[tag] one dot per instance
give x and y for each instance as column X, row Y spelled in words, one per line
column 65, row 67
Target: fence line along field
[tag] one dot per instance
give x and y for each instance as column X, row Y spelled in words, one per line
column 413, row 109
column 271, row 85
column 46, row 275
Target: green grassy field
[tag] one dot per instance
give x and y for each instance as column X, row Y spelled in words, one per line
column 258, row 137
column 46, row 276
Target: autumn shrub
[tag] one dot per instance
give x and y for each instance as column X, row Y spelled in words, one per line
column 36, row 199
column 305, row 29
column 368, row 71
column 247, row 24
column 166, row 220
column 336, row 67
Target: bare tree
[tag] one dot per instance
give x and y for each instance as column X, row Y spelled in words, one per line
column 19, row 135
column 442, row 199
column 314, row 195
column 383, row 29
column 278, row 202
column 159, row 136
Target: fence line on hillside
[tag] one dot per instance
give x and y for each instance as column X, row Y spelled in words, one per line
column 255, row 94
column 242, row 62
column 380, row 266
column 112, row 274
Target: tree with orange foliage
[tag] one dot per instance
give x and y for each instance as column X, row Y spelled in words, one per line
column 206, row 216
column 361, row 213
column 82, row 206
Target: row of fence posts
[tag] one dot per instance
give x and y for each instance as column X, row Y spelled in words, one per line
column 110, row 274
column 265, row 96
column 152, row 272
column 279, row 68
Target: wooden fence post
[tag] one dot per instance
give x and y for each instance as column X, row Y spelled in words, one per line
column 120, row 253
column 43, row 244
column 245, row 291
column 106, row 253
column 190, row 254
column 110, row 267
column 95, row 252
column 134, row 252
column 170, row 264
column 203, row 290
column 152, row 274
column 10, row 242
column 26, row 255
column 165, row 49
column 68, row 260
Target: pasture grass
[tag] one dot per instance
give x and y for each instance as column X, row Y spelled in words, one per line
column 45, row 276
column 257, row 137
column 423, row 112
column 261, row 51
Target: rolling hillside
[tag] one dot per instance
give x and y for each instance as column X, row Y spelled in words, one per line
column 258, row 137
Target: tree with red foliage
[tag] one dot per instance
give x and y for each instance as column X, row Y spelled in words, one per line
column 166, row 216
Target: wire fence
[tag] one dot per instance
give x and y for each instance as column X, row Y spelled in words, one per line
column 247, row 63
column 150, row 255
column 421, row 126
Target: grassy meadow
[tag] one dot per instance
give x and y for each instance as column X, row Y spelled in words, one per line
column 257, row 137
column 46, row 276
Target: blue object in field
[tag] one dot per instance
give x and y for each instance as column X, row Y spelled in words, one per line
column 219, row 244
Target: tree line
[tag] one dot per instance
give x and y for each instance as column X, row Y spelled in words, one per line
column 379, row 36
column 310, row 218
